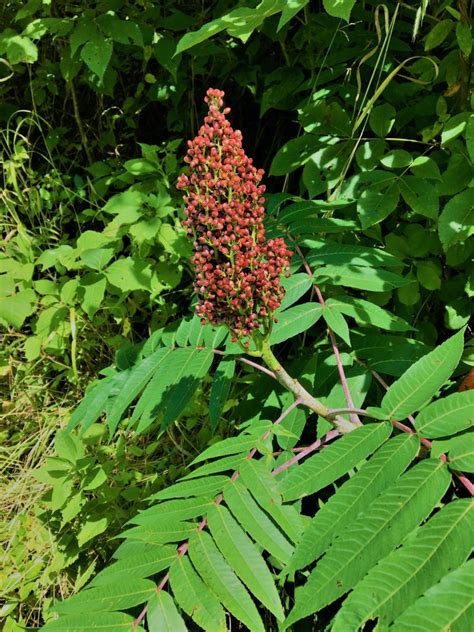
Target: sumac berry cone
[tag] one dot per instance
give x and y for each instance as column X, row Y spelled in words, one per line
column 237, row 270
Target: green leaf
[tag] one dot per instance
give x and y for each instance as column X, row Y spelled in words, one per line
column 96, row 54
column 136, row 381
column 294, row 154
column 464, row 38
column 419, row 196
column 91, row 407
column 168, row 392
column 195, row 598
column 294, row 321
column 232, row 445
column 128, row 274
column 160, row 532
column 377, row 202
column 352, row 498
column 365, row 312
column 244, row 558
column 162, row 615
column 457, row 219
column 334, row 461
column 336, row 321
column 209, row 486
column 339, row 8
column 391, row 355
column 323, row 225
column 420, row 382
column 291, row 8
column 266, row 491
column 91, row 529
column 174, row 510
column 389, row 588
column 144, row 564
column 438, row 34
column 84, row 622
column 221, row 385
column 357, row 277
column 448, row 605
column 15, row 309
column 225, row 464
column 255, row 521
column 348, row 254
column 446, row 416
column 454, row 127
column 381, row 119
column 91, row 291
column 19, row 49
column 240, row 22
column 295, row 287
column 429, row 274
column 120, row 596
column 461, row 456
column 380, row 528
column 222, row 580
column 397, row 159
column 97, row 258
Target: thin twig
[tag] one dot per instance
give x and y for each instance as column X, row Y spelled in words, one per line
column 340, row 368
column 311, row 448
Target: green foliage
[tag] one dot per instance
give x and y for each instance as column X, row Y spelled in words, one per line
column 361, row 115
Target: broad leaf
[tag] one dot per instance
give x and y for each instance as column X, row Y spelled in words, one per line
column 295, row 320
column 334, row 461
column 138, row 378
column 222, row 580
column 209, row 486
column 118, row 596
column 162, row 615
column 336, row 321
column 448, row 605
column 220, row 389
column 255, row 521
column 422, row 380
column 368, row 313
column 457, row 219
column 446, row 416
column 85, row 622
column 346, row 254
column 266, row 491
column 379, row 529
column 353, row 497
column 173, row 510
column 141, row 565
column 294, row 154
column 362, row 278
column 195, row 598
column 295, row 287
column 389, row 588
column 168, row 392
column 244, row 558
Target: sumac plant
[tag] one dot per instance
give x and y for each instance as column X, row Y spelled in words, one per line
column 325, row 510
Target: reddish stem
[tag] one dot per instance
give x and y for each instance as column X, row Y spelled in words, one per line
column 305, row 451
column 183, row 548
column 340, row 368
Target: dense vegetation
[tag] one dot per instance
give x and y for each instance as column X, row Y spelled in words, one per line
column 335, row 499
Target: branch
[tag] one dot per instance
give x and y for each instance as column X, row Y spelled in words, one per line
column 291, row 384
column 340, row 368
column 305, row 451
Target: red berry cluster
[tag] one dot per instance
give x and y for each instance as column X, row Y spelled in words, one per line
column 237, row 270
